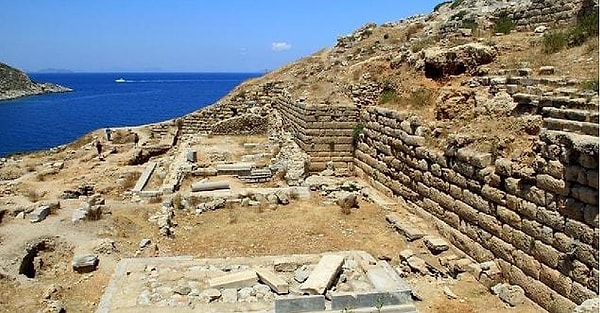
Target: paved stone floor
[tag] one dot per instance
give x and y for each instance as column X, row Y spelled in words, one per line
column 187, row 284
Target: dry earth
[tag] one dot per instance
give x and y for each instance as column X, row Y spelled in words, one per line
column 299, row 228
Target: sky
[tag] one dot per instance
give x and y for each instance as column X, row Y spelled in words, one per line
column 182, row 35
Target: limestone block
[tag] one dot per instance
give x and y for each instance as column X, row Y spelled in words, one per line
column 277, row 284
column 323, row 275
column 435, row 244
column 504, row 167
column 85, row 263
column 209, row 186
column 234, row 280
column 551, row 184
column 546, row 254
column 585, row 194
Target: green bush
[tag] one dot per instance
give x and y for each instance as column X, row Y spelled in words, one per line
column 587, row 26
column 554, row 42
column 590, row 85
column 504, row 25
column 439, row 5
column 356, row 131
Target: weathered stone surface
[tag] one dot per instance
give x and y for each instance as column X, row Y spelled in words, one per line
column 277, row 284
column 323, row 275
column 511, row 294
column 588, row 306
column 435, row 245
column 208, row 186
column 234, row 280
column 85, row 263
column 39, row 214
column 410, row 232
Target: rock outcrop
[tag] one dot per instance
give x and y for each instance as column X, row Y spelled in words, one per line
column 15, row 84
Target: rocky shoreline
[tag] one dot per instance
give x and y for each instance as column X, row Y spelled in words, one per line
column 16, row 84
column 34, row 89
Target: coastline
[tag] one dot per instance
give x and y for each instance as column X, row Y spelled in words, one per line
column 34, row 90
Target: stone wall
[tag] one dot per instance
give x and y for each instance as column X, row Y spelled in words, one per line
column 538, row 221
column 324, row 132
column 245, row 99
column 546, row 12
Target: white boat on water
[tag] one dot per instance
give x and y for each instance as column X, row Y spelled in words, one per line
column 119, row 80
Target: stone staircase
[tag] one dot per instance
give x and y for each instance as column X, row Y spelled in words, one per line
column 562, row 104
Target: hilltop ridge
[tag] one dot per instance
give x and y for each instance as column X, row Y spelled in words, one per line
column 15, row 83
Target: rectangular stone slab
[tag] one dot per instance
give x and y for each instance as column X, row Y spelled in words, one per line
column 234, row 280
column 298, row 304
column 323, row 275
column 144, row 178
column 210, row 186
column 277, row 284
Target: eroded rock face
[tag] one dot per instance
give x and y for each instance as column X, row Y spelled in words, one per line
column 439, row 63
column 15, row 84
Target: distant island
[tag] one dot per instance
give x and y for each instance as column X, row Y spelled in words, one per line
column 15, row 83
column 54, row 71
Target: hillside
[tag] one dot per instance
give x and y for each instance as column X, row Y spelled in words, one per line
column 15, row 84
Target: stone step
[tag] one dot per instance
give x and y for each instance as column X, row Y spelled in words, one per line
column 571, row 114
column 583, row 128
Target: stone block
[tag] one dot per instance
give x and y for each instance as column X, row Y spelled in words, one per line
column 357, row 300
column 585, row 194
column 546, row 254
column 493, row 194
column 556, row 280
column 323, row 275
column 39, row 214
column 490, row 224
column 277, row 284
column 385, row 279
column 85, row 263
column 509, row 217
column 551, row 218
column 410, row 232
column 528, row 264
column 466, row 212
column 209, row 186
column 522, row 241
column 435, row 245
column 234, row 280
column 551, row 184
column 504, row 167
column 579, row 231
column 501, row 249
column 298, row 304
column 579, row 293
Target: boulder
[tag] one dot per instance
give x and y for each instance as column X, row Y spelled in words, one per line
column 511, row 294
column 588, row 306
column 85, row 263
column 439, row 63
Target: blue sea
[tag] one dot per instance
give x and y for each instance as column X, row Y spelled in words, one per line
column 45, row 121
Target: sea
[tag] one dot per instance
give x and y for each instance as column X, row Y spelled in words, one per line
column 98, row 101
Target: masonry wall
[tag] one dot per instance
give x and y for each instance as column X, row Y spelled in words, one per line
column 539, row 221
column 323, row 132
column 547, row 12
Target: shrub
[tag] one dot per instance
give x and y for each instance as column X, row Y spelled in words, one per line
column 554, row 42
column 590, row 85
column 356, row 131
column 470, row 24
column 388, row 94
column 587, row 26
column 459, row 16
column 504, row 25
column 440, row 5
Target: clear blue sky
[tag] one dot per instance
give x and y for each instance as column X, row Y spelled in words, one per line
column 182, row 35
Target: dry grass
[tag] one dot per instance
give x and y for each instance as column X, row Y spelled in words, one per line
column 130, row 180
column 33, row 195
